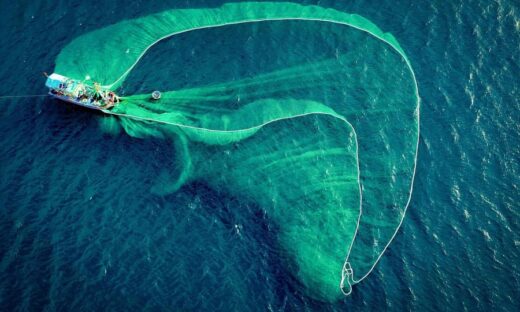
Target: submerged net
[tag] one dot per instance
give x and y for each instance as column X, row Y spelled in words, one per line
column 324, row 142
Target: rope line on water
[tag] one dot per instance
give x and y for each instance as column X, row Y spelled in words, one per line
column 21, row 96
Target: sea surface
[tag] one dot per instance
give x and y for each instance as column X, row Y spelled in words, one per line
column 81, row 231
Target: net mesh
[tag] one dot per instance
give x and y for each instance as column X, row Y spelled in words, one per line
column 325, row 144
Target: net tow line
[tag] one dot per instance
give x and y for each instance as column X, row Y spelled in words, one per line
column 21, row 96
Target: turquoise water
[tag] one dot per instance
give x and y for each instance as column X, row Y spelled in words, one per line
column 82, row 231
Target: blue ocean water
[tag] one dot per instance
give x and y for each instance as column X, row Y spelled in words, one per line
column 80, row 229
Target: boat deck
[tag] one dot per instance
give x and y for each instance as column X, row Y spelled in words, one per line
column 84, row 103
column 80, row 93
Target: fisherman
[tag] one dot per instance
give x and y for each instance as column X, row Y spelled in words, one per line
column 111, row 99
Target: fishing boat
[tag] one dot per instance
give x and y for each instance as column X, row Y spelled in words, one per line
column 82, row 94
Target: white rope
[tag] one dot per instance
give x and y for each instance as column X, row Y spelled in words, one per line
column 347, row 271
column 22, row 96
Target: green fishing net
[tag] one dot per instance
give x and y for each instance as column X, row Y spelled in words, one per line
column 325, row 144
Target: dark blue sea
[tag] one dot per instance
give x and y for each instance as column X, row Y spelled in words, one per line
column 80, row 229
